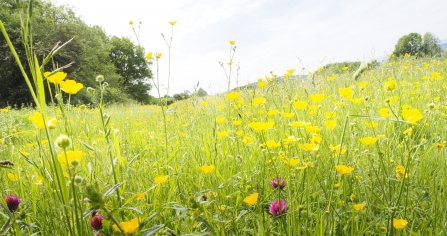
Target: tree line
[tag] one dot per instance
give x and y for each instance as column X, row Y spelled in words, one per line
column 91, row 52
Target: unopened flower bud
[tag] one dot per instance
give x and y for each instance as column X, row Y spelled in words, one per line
column 99, row 78
column 12, row 201
column 63, row 141
column 75, row 163
column 52, row 123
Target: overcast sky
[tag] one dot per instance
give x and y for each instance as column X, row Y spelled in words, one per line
column 270, row 35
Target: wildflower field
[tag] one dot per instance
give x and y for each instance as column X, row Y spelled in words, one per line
column 350, row 151
column 332, row 156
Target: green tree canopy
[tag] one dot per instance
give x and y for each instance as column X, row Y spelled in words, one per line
column 89, row 52
column 132, row 68
column 414, row 43
column 430, row 45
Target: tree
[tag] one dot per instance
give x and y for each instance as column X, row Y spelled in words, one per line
column 410, row 43
column 89, row 52
column 430, row 45
column 132, row 68
column 201, row 92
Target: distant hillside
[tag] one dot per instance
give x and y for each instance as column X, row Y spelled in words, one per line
column 279, row 78
column 443, row 44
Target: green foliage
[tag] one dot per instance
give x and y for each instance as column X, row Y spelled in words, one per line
column 415, row 44
column 201, row 92
column 430, row 45
column 182, row 96
column 334, row 68
column 89, row 52
column 132, row 68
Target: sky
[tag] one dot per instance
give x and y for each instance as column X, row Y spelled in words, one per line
column 270, row 35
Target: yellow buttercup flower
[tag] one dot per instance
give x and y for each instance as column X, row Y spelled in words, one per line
column 412, row 115
column 247, row 140
column 362, row 84
column 149, row 56
column 359, row 207
column 131, row 22
column 371, row 124
column 69, row 159
column 207, row 169
column 129, row 227
column 220, row 120
column 141, row 196
column 272, row 112
column 272, row 144
column 390, row 85
column 356, row 100
column 287, row 115
column 233, row 95
column 56, row 78
column 400, row 171
column 346, row 92
column 330, row 124
column 344, row 170
column 336, row 150
column 316, row 139
column 312, row 129
column 70, row 86
column 299, row 124
column 261, row 126
column 330, row 115
column 172, row 22
column 161, row 179
column 399, row 223
column 158, row 55
column 262, row 84
column 259, row 100
column 251, row 199
column 292, row 162
column 368, row 141
column 384, row 112
column 316, row 97
column 308, row 147
column 13, row 177
column 222, row 134
column 38, row 180
column 300, row 105
column 37, row 120
column 232, row 42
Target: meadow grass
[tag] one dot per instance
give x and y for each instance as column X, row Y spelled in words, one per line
column 362, row 157
column 336, row 153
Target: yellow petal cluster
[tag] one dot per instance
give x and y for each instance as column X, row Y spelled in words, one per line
column 70, row 86
column 344, row 170
column 56, row 78
column 261, row 126
column 207, row 169
column 67, row 160
column 129, row 227
column 251, row 199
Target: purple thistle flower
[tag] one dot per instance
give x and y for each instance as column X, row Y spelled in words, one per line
column 278, row 182
column 96, row 222
column 278, row 207
column 12, row 201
